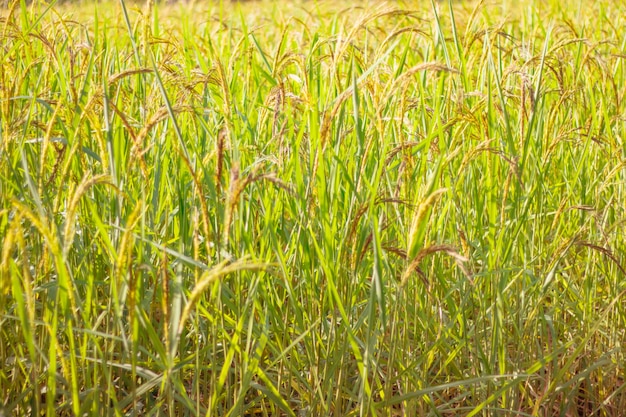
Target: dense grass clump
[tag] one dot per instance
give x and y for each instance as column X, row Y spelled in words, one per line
column 313, row 209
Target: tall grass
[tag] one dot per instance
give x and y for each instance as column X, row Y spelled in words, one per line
column 313, row 209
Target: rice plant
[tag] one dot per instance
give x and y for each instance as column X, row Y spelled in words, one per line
column 313, row 208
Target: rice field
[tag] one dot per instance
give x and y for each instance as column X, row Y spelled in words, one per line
column 313, row 208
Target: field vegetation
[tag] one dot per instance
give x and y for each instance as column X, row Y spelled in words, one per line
column 313, row 209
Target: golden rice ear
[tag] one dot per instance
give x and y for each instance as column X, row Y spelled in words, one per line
column 147, row 31
column 204, row 210
column 420, row 221
column 221, row 149
column 220, row 270
column 279, row 102
column 405, row 77
column 124, row 252
column 127, row 73
column 5, row 255
column 70, row 224
column 423, row 253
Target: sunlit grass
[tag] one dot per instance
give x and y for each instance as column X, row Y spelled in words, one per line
column 313, row 209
